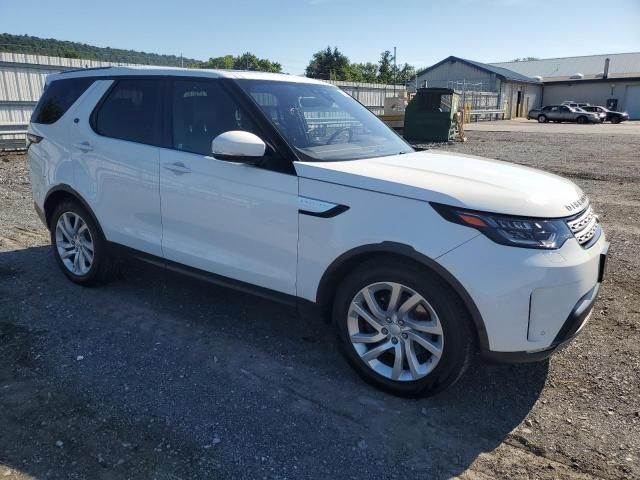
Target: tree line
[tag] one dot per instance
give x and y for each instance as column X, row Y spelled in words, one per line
column 331, row 64
column 326, row 64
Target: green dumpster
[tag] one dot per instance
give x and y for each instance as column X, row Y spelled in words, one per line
column 431, row 115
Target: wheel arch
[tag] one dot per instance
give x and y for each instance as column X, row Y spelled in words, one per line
column 60, row 193
column 344, row 263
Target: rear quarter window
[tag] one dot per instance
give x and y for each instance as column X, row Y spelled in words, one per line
column 131, row 111
column 58, row 97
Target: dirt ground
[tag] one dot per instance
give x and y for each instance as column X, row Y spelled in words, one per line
column 160, row 376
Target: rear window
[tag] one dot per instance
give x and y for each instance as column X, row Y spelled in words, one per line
column 131, row 111
column 58, row 97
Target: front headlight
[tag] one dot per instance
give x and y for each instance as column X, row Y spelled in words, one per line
column 524, row 232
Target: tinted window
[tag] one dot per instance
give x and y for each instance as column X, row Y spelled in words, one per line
column 202, row 110
column 58, row 96
column 131, row 111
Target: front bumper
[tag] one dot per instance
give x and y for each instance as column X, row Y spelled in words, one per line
column 576, row 320
column 531, row 302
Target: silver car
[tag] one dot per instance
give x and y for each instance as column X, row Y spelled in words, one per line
column 562, row 113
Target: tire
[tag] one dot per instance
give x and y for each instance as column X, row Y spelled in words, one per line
column 582, row 119
column 74, row 230
column 542, row 118
column 615, row 120
column 439, row 309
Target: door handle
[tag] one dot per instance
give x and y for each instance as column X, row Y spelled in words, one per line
column 83, row 146
column 178, row 168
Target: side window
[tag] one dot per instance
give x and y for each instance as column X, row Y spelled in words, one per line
column 131, row 111
column 202, row 110
column 58, row 98
column 547, row 109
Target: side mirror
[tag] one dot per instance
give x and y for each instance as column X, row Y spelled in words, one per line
column 238, row 146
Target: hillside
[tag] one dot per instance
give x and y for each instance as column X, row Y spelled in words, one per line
column 60, row 48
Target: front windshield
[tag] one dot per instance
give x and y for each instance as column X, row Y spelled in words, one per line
column 322, row 122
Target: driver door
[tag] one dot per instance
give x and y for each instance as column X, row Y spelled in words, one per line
column 231, row 219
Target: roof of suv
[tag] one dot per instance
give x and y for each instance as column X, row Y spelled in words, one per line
column 180, row 72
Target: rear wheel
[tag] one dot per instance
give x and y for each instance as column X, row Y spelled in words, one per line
column 582, row 119
column 402, row 328
column 78, row 245
column 542, row 118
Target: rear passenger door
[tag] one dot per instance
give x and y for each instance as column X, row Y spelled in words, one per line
column 233, row 219
column 114, row 145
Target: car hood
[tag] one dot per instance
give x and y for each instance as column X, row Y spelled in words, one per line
column 456, row 179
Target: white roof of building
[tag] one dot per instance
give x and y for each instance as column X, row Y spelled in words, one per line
column 591, row 66
column 181, row 72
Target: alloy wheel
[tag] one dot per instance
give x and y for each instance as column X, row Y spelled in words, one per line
column 74, row 243
column 395, row 331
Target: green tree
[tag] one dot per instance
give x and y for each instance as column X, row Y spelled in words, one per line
column 366, row 72
column 246, row 61
column 329, row 64
column 404, row 74
column 70, row 54
column 385, row 67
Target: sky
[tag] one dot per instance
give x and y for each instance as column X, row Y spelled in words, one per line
column 290, row 31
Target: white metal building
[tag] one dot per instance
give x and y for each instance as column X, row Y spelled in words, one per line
column 513, row 92
column 609, row 80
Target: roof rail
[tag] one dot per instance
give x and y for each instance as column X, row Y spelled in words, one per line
column 84, row 69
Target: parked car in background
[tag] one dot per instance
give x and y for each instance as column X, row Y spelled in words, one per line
column 574, row 104
column 602, row 116
column 288, row 188
column 610, row 115
column 562, row 113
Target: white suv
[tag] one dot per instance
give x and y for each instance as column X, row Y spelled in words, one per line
column 288, row 187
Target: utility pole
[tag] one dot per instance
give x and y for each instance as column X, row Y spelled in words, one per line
column 181, row 60
column 395, row 71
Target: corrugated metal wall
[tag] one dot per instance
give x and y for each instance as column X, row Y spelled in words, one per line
column 22, row 79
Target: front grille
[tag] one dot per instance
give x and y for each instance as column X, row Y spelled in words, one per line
column 585, row 227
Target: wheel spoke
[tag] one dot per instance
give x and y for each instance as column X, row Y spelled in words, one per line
column 370, row 319
column 409, row 304
column 376, row 351
column 426, row 344
column 68, row 253
column 367, row 337
column 88, row 255
column 83, row 227
column 70, row 229
column 396, row 291
column 372, row 303
column 432, row 327
column 398, row 361
column 87, row 245
column 412, row 360
column 62, row 229
column 76, row 262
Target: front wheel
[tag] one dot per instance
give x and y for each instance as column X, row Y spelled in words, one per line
column 615, row 120
column 542, row 119
column 402, row 328
column 78, row 245
column 582, row 120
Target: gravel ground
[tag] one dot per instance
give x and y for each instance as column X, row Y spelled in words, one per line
column 160, row 376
